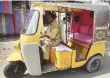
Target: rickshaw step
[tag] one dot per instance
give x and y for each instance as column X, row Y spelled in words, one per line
column 49, row 68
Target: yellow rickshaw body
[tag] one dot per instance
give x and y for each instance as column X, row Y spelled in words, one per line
column 96, row 48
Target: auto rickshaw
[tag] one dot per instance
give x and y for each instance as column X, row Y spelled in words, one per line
column 83, row 39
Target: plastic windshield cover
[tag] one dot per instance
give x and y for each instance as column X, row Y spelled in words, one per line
column 31, row 23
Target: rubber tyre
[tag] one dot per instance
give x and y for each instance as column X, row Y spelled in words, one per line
column 9, row 70
column 94, row 64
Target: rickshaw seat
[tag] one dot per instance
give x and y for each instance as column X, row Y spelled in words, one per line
column 85, row 38
column 84, row 35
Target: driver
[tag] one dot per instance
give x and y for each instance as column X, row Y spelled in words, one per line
column 51, row 36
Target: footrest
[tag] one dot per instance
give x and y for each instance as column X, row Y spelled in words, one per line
column 49, row 68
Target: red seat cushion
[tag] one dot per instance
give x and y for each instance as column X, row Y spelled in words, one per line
column 87, row 39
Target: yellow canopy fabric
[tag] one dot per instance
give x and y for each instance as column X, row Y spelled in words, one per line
column 45, row 6
column 56, row 7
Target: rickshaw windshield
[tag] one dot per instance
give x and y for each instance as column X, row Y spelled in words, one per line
column 31, row 23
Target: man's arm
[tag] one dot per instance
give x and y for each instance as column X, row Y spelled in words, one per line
column 44, row 34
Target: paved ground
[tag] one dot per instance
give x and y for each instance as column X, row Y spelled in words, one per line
column 6, row 47
column 104, row 71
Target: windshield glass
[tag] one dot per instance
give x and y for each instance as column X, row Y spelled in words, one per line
column 31, row 23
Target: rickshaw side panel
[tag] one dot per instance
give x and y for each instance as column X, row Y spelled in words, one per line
column 30, row 47
column 78, row 64
column 31, row 56
column 74, row 63
column 98, row 48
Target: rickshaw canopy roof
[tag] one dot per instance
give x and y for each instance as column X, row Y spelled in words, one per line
column 55, row 6
column 101, row 10
column 101, row 14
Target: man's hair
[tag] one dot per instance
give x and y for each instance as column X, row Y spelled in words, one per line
column 53, row 15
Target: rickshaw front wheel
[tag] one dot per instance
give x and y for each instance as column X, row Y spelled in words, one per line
column 94, row 64
column 14, row 69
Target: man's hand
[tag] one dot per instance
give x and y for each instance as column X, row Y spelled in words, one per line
column 44, row 35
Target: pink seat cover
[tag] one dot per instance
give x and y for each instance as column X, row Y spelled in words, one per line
column 87, row 39
column 91, row 30
column 84, row 29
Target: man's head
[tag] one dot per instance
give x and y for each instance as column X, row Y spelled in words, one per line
column 51, row 17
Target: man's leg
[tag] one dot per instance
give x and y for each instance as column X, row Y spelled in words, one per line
column 46, row 50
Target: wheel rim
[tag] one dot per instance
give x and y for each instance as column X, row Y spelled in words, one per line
column 95, row 64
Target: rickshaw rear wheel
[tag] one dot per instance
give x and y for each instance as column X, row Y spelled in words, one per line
column 14, row 69
column 94, row 64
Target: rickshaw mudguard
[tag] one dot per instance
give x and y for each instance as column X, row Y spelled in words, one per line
column 15, row 56
column 95, row 49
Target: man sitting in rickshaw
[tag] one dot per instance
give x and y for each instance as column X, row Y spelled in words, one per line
column 51, row 36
